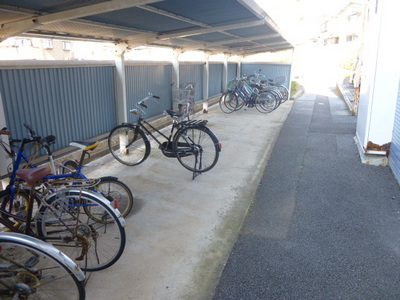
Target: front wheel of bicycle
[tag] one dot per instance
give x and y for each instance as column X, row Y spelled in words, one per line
column 33, row 269
column 128, row 144
column 84, row 226
column 197, row 148
column 228, row 102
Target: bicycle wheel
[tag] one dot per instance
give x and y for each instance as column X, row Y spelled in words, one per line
column 197, row 148
column 266, row 102
column 284, row 91
column 17, row 206
column 128, row 144
column 64, row 222
column 32, row 269
column 228, row 102
column 117, row 192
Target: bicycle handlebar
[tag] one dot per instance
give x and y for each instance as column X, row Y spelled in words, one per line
column 143, row 101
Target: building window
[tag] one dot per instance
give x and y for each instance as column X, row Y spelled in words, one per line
column 67, row 46
column 351, row 38
column 48, row 44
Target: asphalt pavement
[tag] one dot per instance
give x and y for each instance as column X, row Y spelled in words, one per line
column 323, row 225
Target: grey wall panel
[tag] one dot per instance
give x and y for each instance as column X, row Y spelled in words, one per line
column 215, row 81
column 192, row 73
column 142, row 79
column 276, row 71
column 394, row 157
column 70, row 103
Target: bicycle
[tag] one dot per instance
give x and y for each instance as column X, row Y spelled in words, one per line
column 111, row 188
column 240, row 94
column 79, row 222
column 194, row 145
column 31, row 268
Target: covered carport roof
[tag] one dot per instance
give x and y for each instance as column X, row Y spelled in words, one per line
column 238, row 27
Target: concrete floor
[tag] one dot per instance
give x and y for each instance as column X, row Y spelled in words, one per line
column 181, row 231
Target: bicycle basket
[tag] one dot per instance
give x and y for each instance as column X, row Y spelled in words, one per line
column 232, row 84
column 180, row 95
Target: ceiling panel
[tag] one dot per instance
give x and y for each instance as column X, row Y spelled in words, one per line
column 232, row 26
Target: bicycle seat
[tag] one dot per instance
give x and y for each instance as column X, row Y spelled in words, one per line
column 174, row 115
column 85, row 145
column 31, row 176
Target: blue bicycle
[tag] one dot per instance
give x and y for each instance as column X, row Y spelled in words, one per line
column 117, row 192
column 241, row 94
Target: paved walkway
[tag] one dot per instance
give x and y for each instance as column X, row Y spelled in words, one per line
column 323, row 225
column 180, row 232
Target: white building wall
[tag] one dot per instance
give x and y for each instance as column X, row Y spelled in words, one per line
column 380, row 76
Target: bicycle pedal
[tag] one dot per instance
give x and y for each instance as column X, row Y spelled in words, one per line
column 22, row 214
column 31, row 262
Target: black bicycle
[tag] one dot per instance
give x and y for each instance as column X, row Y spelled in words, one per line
column 194, row 145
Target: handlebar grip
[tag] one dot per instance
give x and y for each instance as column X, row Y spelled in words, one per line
column 29, row 127
column 142, row 104
column 156, row 97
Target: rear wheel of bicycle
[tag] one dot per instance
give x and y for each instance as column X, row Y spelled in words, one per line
column 70, row 220
column 129, row 145
column 32, row 269
column 228, row 102
column 196, row 143
column 118, row 193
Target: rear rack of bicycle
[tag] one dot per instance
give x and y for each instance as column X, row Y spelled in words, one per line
column 194, row 123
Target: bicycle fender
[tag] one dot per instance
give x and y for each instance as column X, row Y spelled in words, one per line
column 96, row 197
column 44, row 247
column 108, row 178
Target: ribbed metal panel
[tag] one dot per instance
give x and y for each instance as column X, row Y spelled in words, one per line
column 142, row 79
column 232, row 71
column 394, row 157
column 280, row 72
column 215, row 81
column 70, row 103
column 192, row 73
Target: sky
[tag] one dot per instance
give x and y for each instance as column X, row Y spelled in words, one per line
column 298, row 19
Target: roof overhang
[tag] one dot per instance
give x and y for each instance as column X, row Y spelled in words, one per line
column 238, row 27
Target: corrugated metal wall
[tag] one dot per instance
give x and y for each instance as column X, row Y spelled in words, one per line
column 71, row 103
column 394, row 157
column 280, row 72
column 192, row 73
column 215, row 79
column 142, row 79
column 77, row 102
column 232, row 71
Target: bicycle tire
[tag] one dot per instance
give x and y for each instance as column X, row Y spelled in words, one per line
column 133, row 142
column 63, row 221
column 266, row 102
column 20, row 205
column 201, row 138
column 68, row 167
column 32, row 268
column 284, row 91
column 118, row 193
column 228, row 102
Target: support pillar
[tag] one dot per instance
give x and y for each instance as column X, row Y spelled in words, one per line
column 206, row 78
column 120, row 84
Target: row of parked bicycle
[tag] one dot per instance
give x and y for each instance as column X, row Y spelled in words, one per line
column 253, row 91
column 57, row 224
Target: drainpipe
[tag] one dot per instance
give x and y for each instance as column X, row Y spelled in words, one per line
column 175, row 77
column 206, row 77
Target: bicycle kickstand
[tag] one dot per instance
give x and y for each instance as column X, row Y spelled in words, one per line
column 195, row 172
